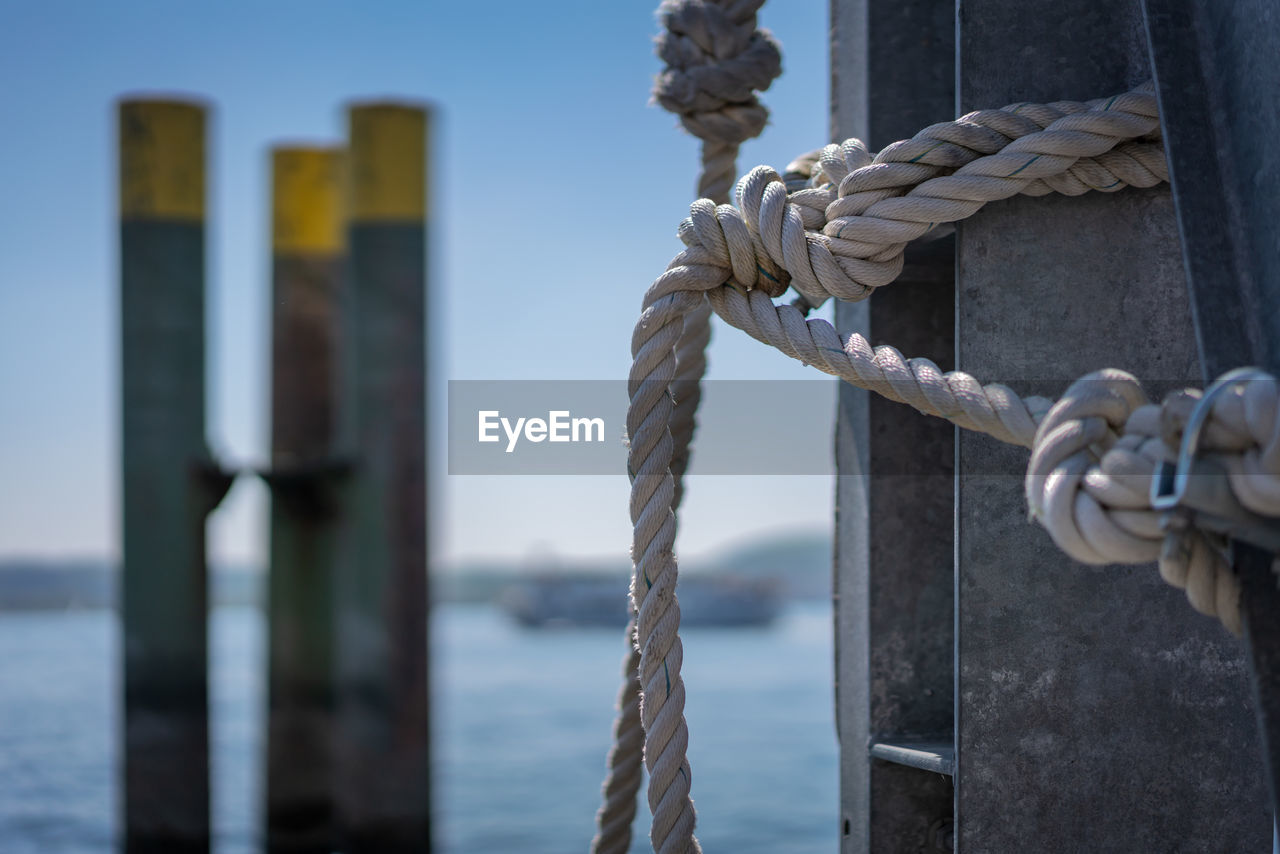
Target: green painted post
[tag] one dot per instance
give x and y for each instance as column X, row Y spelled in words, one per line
column 307, row 278
column 169, row 482
column 382, row 745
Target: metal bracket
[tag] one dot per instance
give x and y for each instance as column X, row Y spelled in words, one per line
column 1196, row 491
column 313, row 489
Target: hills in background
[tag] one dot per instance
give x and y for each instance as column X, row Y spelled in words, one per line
column 800, row 562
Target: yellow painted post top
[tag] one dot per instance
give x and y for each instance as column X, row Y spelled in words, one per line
column 388, row 154
column 306, row 200
column 162, row 158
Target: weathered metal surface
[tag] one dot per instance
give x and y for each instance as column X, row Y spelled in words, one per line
column 1093, row 705
column 1260, row 601
column 892, row 68
column 168, row 484
column 307, row 280
column 1217, row 81
column 383, row 797
column 1218, row 84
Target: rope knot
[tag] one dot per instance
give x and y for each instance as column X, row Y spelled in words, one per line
column 1080, row 431
column 723, row 232
column 1089, row 484
column 716, row 61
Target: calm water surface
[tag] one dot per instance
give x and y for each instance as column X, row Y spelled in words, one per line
column 522, row 724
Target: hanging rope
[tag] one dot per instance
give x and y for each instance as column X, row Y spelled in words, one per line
column 716, row 59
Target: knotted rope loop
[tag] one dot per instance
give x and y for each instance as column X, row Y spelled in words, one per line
column 842, row 233
column 1079, row 432
column 949, row 170
column 716, row 60
column 1089, row 485
column 1242, row 434
column 729, row 242
column 1097, row 450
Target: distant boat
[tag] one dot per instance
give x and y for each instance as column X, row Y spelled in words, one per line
column 594, row 600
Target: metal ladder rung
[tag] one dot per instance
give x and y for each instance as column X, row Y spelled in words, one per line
column 935, row 756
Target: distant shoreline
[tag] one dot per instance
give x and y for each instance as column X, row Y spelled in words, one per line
column 800, row 564
column 93, row 586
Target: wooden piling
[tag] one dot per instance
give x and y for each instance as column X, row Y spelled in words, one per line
column 382, row 736
column 169, row 482
column 308, row 237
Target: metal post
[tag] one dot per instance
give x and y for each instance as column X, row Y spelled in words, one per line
column 1217, row 81
column 1094, row 707
column 382, row 742
column 892, row 63
column 308, row 236
column 169, row 483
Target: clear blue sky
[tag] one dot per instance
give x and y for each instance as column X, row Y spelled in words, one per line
column 557, row 191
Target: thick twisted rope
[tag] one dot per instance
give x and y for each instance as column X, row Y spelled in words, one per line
column 716, row 59
column 740, row 257
column 843, row 236
column 943, row 174
column 1086, row 527
column 1096, row 451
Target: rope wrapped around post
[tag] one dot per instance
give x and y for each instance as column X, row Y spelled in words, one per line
column 842, row 234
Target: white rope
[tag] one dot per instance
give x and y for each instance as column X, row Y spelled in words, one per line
column 716, row 59
column 1096, row 451
column 837, row 227
column 843, row 236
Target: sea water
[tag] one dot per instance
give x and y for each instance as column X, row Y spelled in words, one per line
column 521, row 726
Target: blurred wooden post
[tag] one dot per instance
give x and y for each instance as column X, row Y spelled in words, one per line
column 169, row 483
column 307, row 276
column 382, row 741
